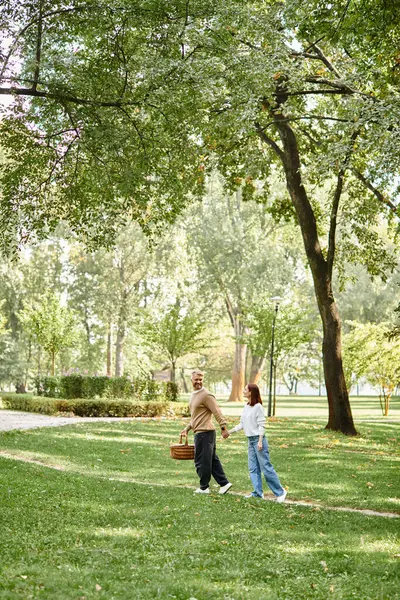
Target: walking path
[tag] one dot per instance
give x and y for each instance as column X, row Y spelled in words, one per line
column 361, row 511
column 10, row 419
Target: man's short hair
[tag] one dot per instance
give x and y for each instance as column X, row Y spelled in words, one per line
column 197, row 372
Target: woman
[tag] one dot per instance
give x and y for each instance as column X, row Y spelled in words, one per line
column 253, row 423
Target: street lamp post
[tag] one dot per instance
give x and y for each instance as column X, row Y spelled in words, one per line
column 277, row 300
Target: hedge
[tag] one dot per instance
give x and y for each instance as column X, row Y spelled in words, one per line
column 85, row 386
column 83, row 407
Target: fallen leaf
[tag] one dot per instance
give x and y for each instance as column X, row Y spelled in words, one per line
column 24, row 576
column 369, row 485
column 324, row 565
column 332, row 588
column 98, row 587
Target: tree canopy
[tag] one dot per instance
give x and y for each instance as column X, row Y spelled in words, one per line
column 120, row 108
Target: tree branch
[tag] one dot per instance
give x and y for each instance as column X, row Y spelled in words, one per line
column 381, row 197
column 326, row 62
column 267, row 140
column 335, row 204
column 315, row 92
column 63, row 97
column 307, row 117
column 38, row 46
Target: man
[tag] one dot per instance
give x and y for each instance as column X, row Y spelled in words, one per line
column 203, row 406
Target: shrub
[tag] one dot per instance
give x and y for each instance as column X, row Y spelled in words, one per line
column 93, row 386
column 105, row 407
column 84, row 386
column 171, row 392
column 48, row 386
column 29, row 403
column 120, row 387
column 84, row 407
column 71, row 386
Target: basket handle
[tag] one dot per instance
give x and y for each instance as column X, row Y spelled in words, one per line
column 186, row 439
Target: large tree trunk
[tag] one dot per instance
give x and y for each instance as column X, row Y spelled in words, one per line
column 119, row 350
column 257, row 365
column 340, row 417
column 173, row 371
column 239, row 363
column 53, row 363
column 184, row 384
column 122, row 319
column 109, row 350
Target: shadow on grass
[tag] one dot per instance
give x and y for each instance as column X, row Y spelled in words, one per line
column 66, row 534
column 312, row 463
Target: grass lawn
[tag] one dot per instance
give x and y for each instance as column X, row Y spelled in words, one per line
column 316, row 407
column 80, row 533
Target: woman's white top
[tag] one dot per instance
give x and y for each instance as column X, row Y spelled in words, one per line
column 252, row 420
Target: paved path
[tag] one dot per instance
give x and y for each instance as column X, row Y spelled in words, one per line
column 14, row 419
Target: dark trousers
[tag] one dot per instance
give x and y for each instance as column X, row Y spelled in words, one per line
column 206, row 460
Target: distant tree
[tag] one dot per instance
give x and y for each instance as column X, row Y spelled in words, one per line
column 243, row 257
column 52, row 325
column 372, row 355
column 176, row 333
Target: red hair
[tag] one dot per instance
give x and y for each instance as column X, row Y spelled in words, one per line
column 255, row 396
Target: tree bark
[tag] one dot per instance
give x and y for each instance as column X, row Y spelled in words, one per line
column 53, row 363
column 239, row 363
column 119, row 350
column 173, row 371
column 122, row 318
column 109, row 347
column 340, row 417
column 257, row 365
column 184, row 384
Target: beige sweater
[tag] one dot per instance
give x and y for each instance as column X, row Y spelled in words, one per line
column 203, row 406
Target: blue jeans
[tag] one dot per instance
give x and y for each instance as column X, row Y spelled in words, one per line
column 259, row 462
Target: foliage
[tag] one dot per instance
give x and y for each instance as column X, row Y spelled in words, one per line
column 371, row 355
column 131, row 106
column 101, row 407
column 177, row 332
column 52, row 325
column 84, row 386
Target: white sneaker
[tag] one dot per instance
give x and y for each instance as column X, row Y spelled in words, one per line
column 280, row 499
column 225, row 488
column 200, row 491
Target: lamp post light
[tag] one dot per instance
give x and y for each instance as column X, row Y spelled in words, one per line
column 277, row 301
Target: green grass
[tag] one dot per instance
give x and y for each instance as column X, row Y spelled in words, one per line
column 64, row 532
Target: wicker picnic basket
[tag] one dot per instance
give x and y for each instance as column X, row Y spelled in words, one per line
column 182, row 451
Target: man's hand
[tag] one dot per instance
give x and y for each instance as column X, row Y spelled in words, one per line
column 225, row 434
column 184, row 432
column 259, row 446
